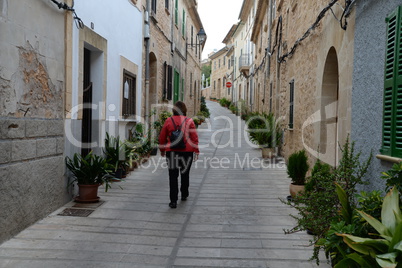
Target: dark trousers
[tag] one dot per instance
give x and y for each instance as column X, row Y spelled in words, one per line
column 179, row 163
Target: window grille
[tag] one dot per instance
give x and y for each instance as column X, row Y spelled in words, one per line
column 291, row 102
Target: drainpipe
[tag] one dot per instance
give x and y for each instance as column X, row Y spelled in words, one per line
column 146, row 38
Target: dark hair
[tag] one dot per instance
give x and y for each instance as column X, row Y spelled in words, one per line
column 179, row 108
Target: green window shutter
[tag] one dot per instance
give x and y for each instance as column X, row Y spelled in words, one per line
column 392, row 103
column 176, row 86
column 176, row 12
column 183, row 26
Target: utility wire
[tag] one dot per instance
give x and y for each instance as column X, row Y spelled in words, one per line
column 307, row 33
column 78, row 22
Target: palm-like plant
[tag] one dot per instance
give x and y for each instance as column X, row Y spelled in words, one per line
column 116, row 152
column 264, row 130
column 90, row 169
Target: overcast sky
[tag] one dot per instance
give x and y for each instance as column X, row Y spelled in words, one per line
column 217, row 17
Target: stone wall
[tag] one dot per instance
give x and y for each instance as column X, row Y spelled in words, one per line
column 167, row 44
column 31, row 113
column 219, row 71
column 327, row 46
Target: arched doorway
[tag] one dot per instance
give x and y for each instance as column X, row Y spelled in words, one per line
column 153, row 78
column 328, row 145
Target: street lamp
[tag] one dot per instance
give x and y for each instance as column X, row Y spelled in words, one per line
column 201, row 37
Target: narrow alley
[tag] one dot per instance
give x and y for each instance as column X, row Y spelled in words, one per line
column 232, row 218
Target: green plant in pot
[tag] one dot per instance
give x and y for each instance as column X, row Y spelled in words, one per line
column 89, row 172
column 297, row 168
column 117, row 154
column 265, row 131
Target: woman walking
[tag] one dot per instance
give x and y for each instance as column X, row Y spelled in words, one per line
column 178, row 140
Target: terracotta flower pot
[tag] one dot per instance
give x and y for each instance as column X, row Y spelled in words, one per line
column 268, row 152
column 295, row 189
column 87, row 193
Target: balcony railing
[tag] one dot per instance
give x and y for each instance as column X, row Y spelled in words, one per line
column 244, row 63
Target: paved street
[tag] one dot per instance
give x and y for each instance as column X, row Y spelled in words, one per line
column 232, row 218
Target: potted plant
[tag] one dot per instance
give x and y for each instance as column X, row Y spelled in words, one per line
column 297, row 168
column 196, row 120
column 89, row 172
column 117, row 154
column 264, row 130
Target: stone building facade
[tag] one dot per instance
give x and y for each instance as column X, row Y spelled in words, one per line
column 175, row 54
column 220, row 75
column 246, row 54
column 306, row 83
column 32, row 88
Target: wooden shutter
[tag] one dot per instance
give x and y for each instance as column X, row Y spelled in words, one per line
column 165, row 68
column 170, row 82
column 392, row 103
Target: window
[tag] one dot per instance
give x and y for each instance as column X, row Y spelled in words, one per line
column 176, row 93
column 392, row 103
column 270, row 97
column 192, row 35
column 167, row 4
column 129, row 92
column 169, row 91
column 153, row 6
column 183, row 25
column 167, row 81
column 291, row 102
column 191, row 85
column 176, row 12
column 165, row 68
column 224, row 60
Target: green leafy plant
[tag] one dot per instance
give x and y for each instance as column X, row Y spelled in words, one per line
column 89, row 169
column 225, row 102
column 233, row 108
column 196, row 120
column 116, row 152
column 320, row 169
column 297, row 167
column 370, row 202
column 264, row 130
column 393, row 177
column 204, row 109
column 243, row 109
column 378, row 252
column 319, row 206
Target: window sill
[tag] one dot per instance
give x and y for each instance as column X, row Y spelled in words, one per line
column 389, row 158
column 133, row 120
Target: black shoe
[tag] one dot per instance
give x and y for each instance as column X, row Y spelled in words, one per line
column 173, row 204
column 184, row 198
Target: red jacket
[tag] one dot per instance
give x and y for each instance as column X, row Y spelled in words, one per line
column 190, row 134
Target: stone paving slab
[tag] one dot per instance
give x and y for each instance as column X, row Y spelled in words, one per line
column 232, row 218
